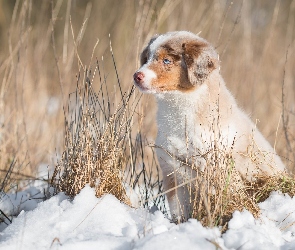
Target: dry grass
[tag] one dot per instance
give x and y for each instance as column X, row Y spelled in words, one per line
column 95, row 141
column 102, row 146
column 261, row 188
column 218, row 190
column 44, row 43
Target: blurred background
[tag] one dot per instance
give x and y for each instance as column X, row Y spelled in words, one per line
column 42, row 44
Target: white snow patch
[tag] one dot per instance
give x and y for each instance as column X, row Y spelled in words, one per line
column 88, row 222
column 12, row 204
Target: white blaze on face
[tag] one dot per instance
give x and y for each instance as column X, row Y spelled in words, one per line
column 149, row 75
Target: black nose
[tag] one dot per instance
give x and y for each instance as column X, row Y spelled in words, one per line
column 138, row 77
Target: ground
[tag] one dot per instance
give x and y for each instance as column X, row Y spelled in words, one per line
column 88, row 222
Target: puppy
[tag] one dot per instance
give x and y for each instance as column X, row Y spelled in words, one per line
column 195, row 109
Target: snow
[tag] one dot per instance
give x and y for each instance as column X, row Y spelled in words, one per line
column 88, row 222
column 13, row 204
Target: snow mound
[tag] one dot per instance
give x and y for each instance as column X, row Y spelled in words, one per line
column 88, row 222
column 12, row 204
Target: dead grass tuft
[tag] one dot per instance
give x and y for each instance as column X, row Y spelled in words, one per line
column 261, row 188
column 96, row 162
column 94, row 145
column 218, row 190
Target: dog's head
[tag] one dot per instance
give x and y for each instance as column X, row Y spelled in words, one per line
column 175, row 61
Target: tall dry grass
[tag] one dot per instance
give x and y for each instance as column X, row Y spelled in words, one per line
column 44, row 43
column 96, row 132
column 103, row 148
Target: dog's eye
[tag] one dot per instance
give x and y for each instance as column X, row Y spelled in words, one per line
column 166, row 61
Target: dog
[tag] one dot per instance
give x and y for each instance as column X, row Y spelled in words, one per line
column 183, row 71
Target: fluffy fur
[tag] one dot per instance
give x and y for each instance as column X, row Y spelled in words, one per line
column 195, row 109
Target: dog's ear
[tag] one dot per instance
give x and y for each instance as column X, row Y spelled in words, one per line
column 200, row 60
column 144, row 53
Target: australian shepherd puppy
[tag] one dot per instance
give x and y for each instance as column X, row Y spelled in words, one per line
column 195, row 108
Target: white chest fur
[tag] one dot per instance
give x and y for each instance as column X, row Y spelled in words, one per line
column 188, row 126
column 180, row 133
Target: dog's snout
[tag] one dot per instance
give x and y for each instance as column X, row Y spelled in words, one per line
column 138, row 77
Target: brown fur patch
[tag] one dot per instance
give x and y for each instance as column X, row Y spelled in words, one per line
column 199, row 64
column 192, row 50
column 171, row 76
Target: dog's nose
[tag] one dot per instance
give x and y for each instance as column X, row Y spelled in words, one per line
column 138, row 77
